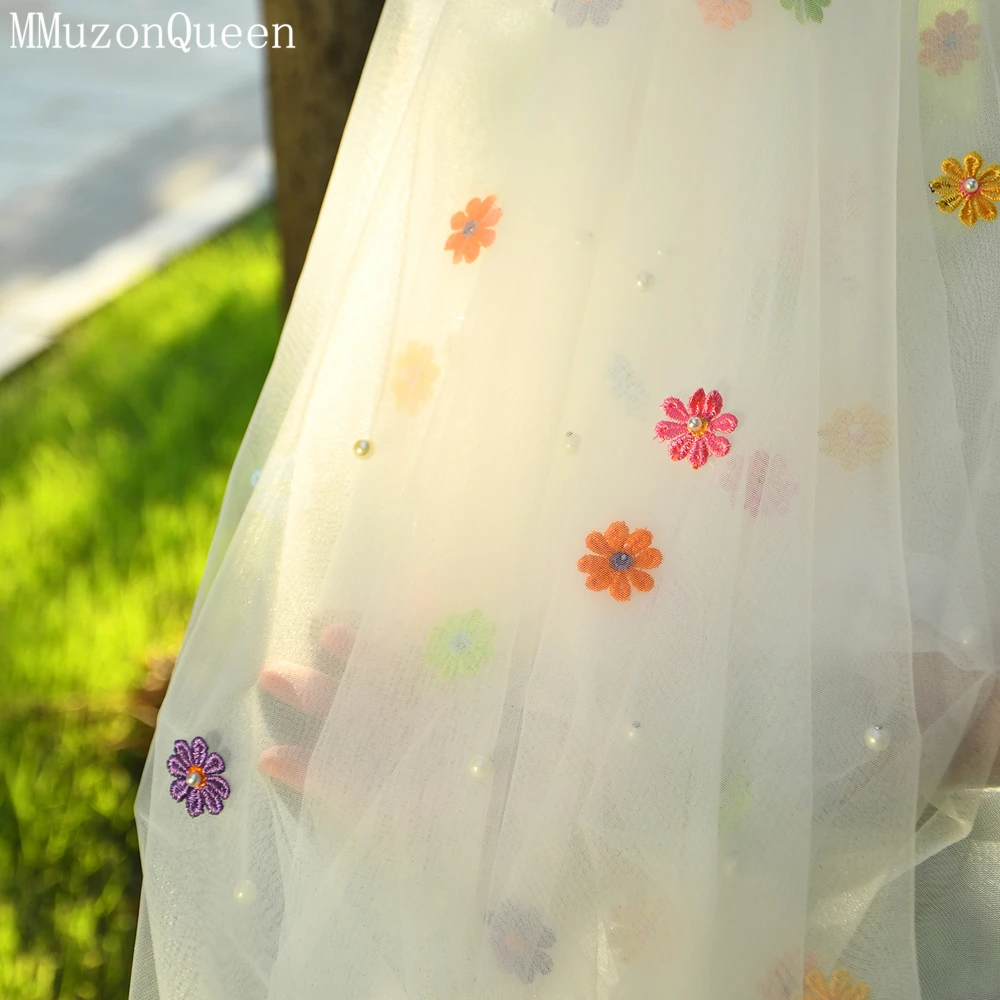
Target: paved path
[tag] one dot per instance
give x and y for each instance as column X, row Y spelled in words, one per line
column 112, row 160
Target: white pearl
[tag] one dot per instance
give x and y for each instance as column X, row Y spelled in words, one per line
column 584, row 238
column 970, row 185
column 571, row 442
column 195, row 779
column 362, row 448
column 876, row 738
column 695, row 423
column 255, row 477
column 644, row 281
column 245, row 892
column 480, row 767
column 633, row 733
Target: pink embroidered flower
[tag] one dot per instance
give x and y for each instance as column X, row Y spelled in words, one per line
column 950, row 43
column 768, row 488
column 725, row 13
column 694, row 431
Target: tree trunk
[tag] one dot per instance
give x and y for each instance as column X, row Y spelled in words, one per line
column 311, row 88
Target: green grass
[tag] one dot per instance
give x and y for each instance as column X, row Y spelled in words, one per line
column 115, row 447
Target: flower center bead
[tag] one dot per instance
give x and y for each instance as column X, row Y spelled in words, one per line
column 949, row 43
column 470, row 227
column 970, row 186
column 697, row 425
column 460, row 643
column 195, row 777
column 621, row 561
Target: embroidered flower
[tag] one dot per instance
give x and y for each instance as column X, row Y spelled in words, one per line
column 621, row 560
column 840, row 986
column 856, row 437
column 197, row 777
column 768, row 490
column 625, row 384
column 460, row 645
column 694, row 430
column 520, row 939
column 950, row 43
column 630, row 926
column 969, row 187
column 415, row 375
column 578, row 12
column 725, row 13
column 786, row 979
column 806, row 10
column 473, row 229
column 734, row 801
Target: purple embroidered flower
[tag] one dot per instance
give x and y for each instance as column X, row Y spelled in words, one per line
column 198, row 777
column 519, row 939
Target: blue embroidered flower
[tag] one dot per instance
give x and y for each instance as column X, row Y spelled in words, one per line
column 626, row 385
column 520, row 939
column 198, row 783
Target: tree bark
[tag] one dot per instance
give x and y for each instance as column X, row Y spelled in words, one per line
column 311, row 89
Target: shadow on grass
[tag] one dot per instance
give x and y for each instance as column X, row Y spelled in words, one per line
column 114, row 452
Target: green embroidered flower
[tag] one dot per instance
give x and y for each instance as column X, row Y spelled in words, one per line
column 733, row 802
column 460, row 644
column 806, row 10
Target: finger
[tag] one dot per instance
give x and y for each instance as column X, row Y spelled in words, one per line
column 286, row 764
column 304, row 689
column 337, row 639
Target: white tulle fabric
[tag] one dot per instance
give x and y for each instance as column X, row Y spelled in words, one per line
column 723, row 786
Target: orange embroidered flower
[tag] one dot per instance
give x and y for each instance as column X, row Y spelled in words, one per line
column 473, row 229
column 630, row 925
column 725, row 13
column 856, row 437
column 950, row 43
column 840, row 986
column 969, row 185
column 785, row 979
column 415, row 375
column 620, row 561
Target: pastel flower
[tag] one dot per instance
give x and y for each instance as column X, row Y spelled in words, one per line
column 768, row 489
column 630, row 926
column 578, row 12
column 969, row 187
column 413, row 383
column 694, row 430
column 520, row 938
column 725, row 13
column 620, row 561
column 950, row 43
column 787, row 978
column 806, row 10
column 856, row 437
column 197, row 777
column 460, row 645
column 473, row 229
column 840, row 986
column 626, row 385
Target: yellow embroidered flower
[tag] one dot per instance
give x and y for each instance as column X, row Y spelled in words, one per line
column 415, row 375
column 630, row 925
column 968, row 187
column 856, row 437
column 840, row 986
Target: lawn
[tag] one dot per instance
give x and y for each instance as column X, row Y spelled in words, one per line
column 115, row 447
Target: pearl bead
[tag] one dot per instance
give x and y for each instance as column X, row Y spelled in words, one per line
column 621, row 561
column 571, row 442
column 970, row 185
column 195, row 779
column 362, row 448
column 695, row 423
column 583, row 239
column 245, row 892
column 644, row 281
column 480, row 767
column 634, row 732
column 255, row 477
column 876, row 738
